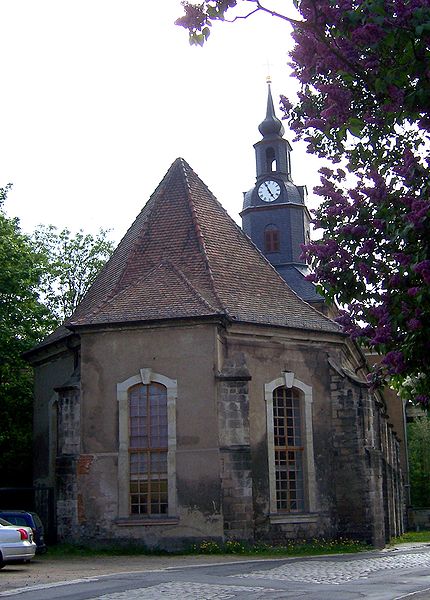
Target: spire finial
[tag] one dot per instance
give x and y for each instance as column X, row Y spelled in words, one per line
column 271, row 124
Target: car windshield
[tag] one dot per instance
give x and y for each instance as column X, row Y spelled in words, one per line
column 4, row 523
column 17, row 520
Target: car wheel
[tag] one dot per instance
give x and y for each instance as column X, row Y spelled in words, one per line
column 2, row 563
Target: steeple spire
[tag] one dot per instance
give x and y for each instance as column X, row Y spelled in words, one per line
column 274, row 213
column 271, row 126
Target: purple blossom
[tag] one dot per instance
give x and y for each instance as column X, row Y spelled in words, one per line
column 414, row 324
column 326, row 172
column 407, row 169
column 423, row 269
column 419, row 211
column 356, row 231
column 413, row 291
column 316, row 123
column 382, row 336
column 379, row 224
column 395, row 280
column 367, row 247
column 395, row 362
column 403, row 259
column 368, row 35
column 396, row 96
column 365, row 271
column 422, row 399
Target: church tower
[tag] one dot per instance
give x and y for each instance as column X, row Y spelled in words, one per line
column 274, row 213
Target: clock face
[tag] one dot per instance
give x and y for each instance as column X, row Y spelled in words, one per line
column 269, row 190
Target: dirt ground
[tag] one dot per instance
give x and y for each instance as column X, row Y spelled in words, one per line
column 45, row 570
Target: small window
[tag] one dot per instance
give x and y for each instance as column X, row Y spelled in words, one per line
column 271, row 239
column 288, row 161
column 289, row 450
column 270, row 160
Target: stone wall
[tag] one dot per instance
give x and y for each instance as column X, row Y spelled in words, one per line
column 67, row 461
column 234, row 439
column 368, row 476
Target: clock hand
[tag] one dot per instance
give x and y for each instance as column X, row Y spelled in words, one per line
column 268, row 189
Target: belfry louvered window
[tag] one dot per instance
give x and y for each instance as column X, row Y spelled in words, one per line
column 288, row 449
column 148, row 449
column 271, row 239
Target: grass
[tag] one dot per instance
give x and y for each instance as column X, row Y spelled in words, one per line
column 293, row 548
column 412, row 536
column 82, row 551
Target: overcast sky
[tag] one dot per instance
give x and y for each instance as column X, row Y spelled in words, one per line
column 100, row 96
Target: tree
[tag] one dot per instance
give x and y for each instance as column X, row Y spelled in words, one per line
column 72, row 262
column 23, row 322
column 364, row 102
column 42, row 278
column 419, row 462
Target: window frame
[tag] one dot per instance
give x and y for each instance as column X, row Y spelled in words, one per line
column 294, row 455
column 146, row 376
column 272, row 239
column 143, row 454
column 288, row 380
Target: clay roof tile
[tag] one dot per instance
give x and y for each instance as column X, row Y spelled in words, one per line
column 185, row 257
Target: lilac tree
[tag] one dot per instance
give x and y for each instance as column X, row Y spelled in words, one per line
column 364, row 102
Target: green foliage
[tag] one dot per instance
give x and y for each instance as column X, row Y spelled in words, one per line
column 290, row 548
column 23, row 322
column 419, row 462
column 71, row 263
column 42, row 279
column 410, row 537
column 65, row 551
column 364, row 100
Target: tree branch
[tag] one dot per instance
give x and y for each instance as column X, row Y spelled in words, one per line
column 262, row 8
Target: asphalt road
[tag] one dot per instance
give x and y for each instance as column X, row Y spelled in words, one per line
column 398, row 574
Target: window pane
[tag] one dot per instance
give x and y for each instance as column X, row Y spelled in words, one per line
column 288, row 450
column 148, row 440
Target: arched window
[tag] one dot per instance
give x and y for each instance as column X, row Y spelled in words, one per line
column 288, row 162
column 271, row 239
column 270, row 160
column 148, row 449
column 292, row 482
column 288, row 449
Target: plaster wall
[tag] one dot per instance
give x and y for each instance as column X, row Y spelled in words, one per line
column 185, row 354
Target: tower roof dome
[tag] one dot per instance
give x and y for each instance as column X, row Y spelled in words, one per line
column 271, row 126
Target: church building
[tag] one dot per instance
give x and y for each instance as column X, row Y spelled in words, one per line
column 201, row 392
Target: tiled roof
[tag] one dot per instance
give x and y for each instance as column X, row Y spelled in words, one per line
column 185, row 257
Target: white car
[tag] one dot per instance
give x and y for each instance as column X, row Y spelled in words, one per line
column 16, row 543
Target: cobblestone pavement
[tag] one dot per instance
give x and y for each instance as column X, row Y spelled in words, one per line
column 335, row 573
column 387, row 575
column 325, row 572
column 189, row 590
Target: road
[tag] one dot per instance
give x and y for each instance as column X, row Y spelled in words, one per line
column 397, row 574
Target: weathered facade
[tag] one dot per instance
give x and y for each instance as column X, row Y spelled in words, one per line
column 193, row 395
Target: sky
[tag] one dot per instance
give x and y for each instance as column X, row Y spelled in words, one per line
column 99, row 97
